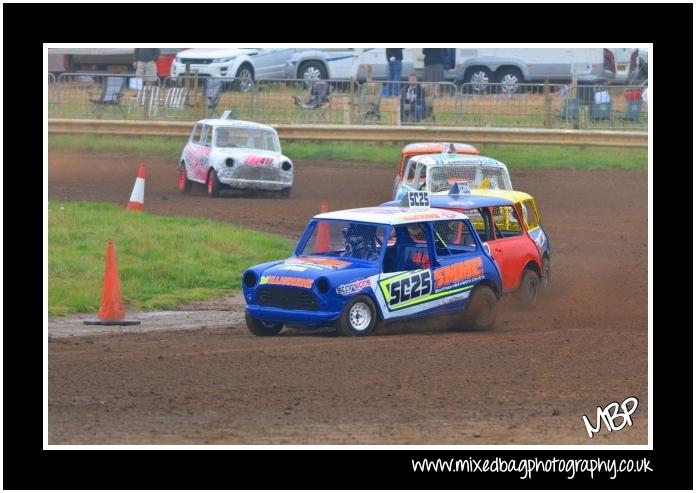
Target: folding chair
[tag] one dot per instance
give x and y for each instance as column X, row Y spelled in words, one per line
column 176, row 97
column 147, row 96
column 369, row 97
column 112, row 91
column 318, row 103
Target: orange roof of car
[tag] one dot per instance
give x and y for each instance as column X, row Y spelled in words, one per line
column 437, row 147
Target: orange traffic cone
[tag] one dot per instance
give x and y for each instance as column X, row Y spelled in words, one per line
column 111, row 311
column 323, row 242
column 137, row 200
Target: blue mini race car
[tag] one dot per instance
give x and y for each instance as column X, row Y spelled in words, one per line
column 357, row 268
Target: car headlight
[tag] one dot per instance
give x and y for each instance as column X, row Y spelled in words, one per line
column 323, row 285
column 223, row 60
column 249, row 279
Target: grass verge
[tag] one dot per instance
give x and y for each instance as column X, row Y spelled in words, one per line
column 515, row 156
column 162, row 261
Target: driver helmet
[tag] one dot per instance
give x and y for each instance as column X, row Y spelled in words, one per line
column 360, row 240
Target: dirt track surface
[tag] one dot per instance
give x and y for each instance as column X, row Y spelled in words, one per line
column 529, row 381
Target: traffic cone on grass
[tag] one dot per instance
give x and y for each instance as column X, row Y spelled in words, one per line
column 137, row 200
column 323, row 242
column 111, row 311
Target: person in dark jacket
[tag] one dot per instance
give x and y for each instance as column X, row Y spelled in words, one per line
column 433, row 65
column 145, row 63
column 395, row 57
column 412, row 101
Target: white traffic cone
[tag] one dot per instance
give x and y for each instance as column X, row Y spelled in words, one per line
column 137, row 199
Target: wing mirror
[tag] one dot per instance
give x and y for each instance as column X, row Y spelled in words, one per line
column 487, row 248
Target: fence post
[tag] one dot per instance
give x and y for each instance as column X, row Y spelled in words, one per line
column 348, row 114
column 548, row 114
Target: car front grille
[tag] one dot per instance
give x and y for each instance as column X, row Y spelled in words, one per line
column 288, row 298
column 257, row 173
column 197, row 61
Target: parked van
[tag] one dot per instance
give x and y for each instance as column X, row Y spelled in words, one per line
column 512, row 66
column 479, row 66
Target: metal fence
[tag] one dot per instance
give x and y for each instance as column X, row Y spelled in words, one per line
column 125, row 96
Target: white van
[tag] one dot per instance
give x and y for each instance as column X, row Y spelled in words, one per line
column 511, row 66
column 480, row 66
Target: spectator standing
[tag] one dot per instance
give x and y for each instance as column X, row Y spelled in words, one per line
column 145, row 63
column 433, row 65
column 395, row 58
column 412, row 101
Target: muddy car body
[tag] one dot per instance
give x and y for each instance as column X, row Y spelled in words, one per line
column 235, row 154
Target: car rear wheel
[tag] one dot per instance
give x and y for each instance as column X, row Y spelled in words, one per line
column 358, row 318
column 285, row 193
column 260, row 328
column 213, row 184
column 528, row 292
column 510, row 80
column 184, row 183
column 481, row 310
column 546, row 278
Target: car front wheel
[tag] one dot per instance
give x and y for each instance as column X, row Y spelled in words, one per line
column 358, row 318
column 184, row 183
column 260, row 328
column 312, row 71
column 213, row 184
column 245, row 78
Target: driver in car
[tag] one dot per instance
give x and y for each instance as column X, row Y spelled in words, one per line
column 361, row 242
column 223, row 137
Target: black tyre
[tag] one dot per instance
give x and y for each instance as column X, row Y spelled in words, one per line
column 285, row 193
column 245, row 78
column 312, row 71
column 510, row 79
column 260, row 328
column 546, row 278
column 478, row 79
column 213, row 184
column 359, row 317
column 184, row 184
column 530, row 286
column 481, row 310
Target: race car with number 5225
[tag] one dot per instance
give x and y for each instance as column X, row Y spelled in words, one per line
column 355, row 269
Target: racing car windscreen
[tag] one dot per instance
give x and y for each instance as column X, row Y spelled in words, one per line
column 250, row 138
column 346, row 239
column 443, row 177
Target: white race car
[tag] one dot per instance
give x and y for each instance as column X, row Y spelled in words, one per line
column 437, row 173
column 235, row 154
